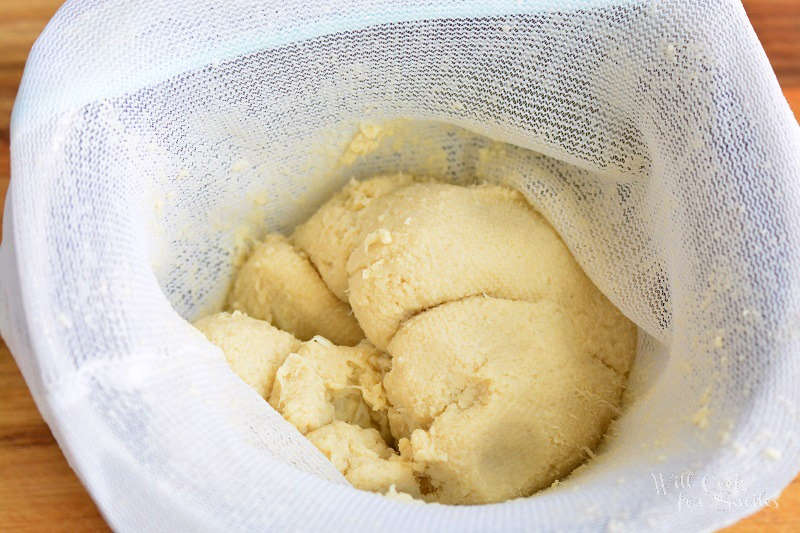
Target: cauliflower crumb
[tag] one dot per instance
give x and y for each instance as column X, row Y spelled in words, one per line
column 240, row 165
column 700, row 417
column 398, row 496
column 772, row 453
column 385, row 236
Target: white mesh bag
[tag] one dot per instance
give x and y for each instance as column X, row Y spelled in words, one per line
column 150, row 137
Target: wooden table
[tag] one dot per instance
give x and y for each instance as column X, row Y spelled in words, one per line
column 38, row 490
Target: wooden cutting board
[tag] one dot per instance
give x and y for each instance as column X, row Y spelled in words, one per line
column 39, row 491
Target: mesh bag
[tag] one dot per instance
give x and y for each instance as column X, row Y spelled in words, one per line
column 150, row 139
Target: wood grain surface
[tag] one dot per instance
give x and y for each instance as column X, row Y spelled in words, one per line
column 39, row 491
